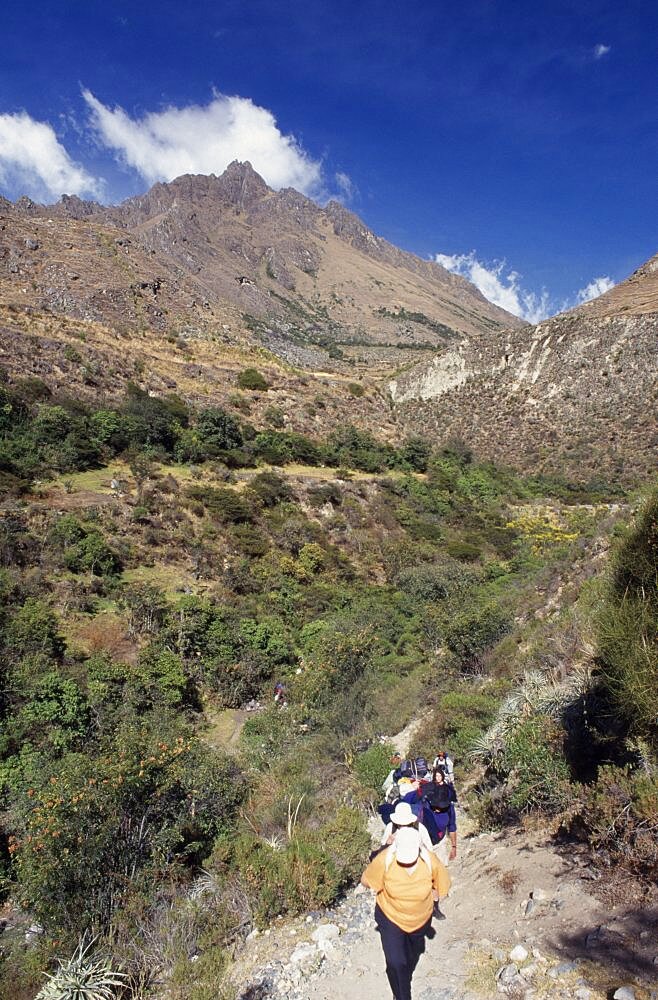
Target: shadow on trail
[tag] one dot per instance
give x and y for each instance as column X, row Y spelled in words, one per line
column 630, row 953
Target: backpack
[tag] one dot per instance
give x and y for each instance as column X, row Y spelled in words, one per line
column 420, row 767
column 393, row 794
column 405, row 770
column 440, row 798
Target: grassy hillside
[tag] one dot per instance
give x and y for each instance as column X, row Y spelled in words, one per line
column 141, row 801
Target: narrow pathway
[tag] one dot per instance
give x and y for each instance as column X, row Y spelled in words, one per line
column 521, row 921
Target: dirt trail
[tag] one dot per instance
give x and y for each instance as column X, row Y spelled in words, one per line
column 509, row 889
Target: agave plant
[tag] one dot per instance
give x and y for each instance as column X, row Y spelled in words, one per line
column 80, row 978
column 484, row 749
column 536, row 693
column 642, row 751
column 204, row 885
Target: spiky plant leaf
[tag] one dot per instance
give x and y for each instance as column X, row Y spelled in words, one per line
column 80, row 978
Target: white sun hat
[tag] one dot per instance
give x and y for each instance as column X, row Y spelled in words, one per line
column 407, row 846
column 403, row 815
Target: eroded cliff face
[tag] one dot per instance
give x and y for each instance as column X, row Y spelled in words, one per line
column 574, row 395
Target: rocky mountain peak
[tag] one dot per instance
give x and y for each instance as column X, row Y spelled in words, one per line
column 241, row 186
column 77, row 208
column 25, row 205
column 346, row 224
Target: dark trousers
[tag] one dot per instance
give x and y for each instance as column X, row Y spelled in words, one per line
column 402, row 949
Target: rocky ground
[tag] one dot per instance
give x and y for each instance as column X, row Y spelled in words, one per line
column 525, row 918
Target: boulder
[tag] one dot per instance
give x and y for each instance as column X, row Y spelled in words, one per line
column 507, row 974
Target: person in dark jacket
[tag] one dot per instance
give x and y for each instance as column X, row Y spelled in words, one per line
column 441, row 798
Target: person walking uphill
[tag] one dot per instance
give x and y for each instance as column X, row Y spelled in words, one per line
column 408, row 880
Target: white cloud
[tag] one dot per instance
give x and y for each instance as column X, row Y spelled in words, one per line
column 34, row 162
column 601, row 50
column 346, row 187
column 499, row 285
column 204, row 139
column 596, row 287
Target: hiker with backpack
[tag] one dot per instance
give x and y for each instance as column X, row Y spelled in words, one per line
column 445, row 764
column 408, row 880
column 280, row 697
column 390, row 785
column 415, row 769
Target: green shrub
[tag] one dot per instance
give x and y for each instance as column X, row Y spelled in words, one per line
column 307, row 872
column 33, row 629
column 620, row 815
column 153, row 422
column 67, row 530
column 436, row 581
column 54, row 713
column 227, row 505
column 164, row 678
column 635, row 562
column 470, row 633
column 93, row 555
column 424, row 531
column 537, row 772
column 331, row 493
column 270, row 734
column 252, row 379
column 460, row 718
column 281, row 447
column 291, row 880
column 238, row 676
column 347, row 843
column 627, row 626
column 416, row 452
column 464, row 551
column 85, row 829
column 250, row 540
column 371, row 768
column 628, row 651
column 311, row 559
column 270, row 489
column 269, row 635
column 355, row 389
column 217, row 430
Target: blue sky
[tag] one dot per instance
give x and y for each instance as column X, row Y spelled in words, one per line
column 518, row 141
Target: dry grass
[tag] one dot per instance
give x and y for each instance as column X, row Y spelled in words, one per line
column 224, row 727
column 96, row 480
column 171, row 579
column 482, row 969
column 509, row 881
column 106, row 633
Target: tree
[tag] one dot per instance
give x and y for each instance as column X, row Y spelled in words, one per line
column 218, row 430
column 33, row 629
column 416, row 451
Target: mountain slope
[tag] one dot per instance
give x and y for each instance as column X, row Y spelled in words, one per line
column 575, row 394
column 229, row 256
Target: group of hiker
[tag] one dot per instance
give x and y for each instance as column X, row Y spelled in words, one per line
column 406, row 872
column 430, row 795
